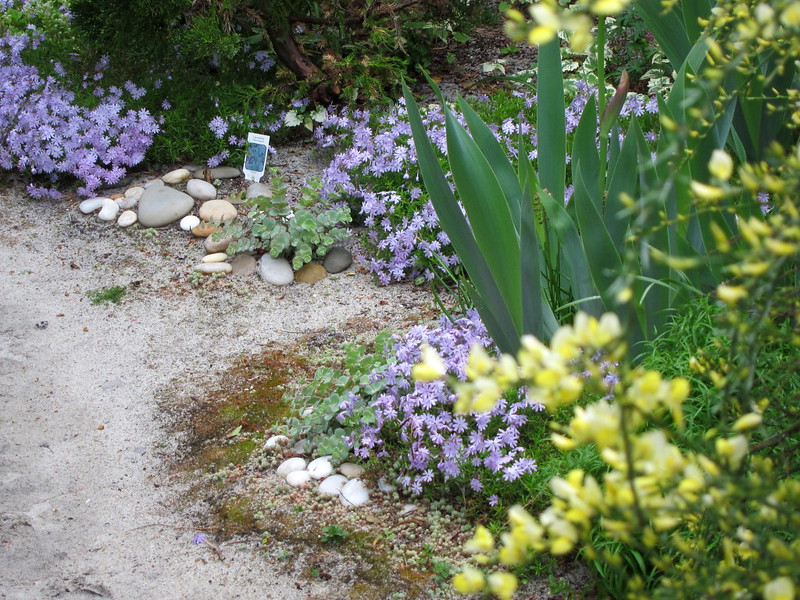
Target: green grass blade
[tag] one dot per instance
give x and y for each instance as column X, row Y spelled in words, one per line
column 575, row 262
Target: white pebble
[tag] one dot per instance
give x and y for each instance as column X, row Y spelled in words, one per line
column 189, row 222
column 298, row 478
column 321, row 467
column 354, row 493
column 217, row 257
column 332, row 485
column 109, row 211
column 276, row 440
column 218, row 267
column 127, row 218
column 289, row 465
column 385, row 486
column 91, row 205
column 351, row 470
column 176, row 176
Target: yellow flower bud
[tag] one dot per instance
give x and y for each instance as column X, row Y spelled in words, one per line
column 503, row 585
column 469, row 581
column 732, row 449
column 431, row 368
column 731, row 294
column 482, row 541
column 720, row 165
column 748, row 421
column 706, row 192
column 779, row 247
column 781, row 588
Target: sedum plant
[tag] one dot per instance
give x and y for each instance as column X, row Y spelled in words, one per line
column 299, row 230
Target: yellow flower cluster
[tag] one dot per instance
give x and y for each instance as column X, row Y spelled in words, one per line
column 548, row 18
column 652, row 486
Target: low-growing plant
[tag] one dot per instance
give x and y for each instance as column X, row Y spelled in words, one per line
column 333, row 534
column 113, row 294
column 299, row 229
column 320, row 403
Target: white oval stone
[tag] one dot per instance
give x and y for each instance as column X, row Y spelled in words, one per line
column 217, row 257
column 134, row 192
column 109, row 211
column 320, row 468
column 332, row 485
column 351, row 470
column 292, row 464
column 127, row 218
column 91, row 205
column 176, row 176
column 275, row 441
column 215, row 267
column 200, row 190
column 189, row 222
column 354, row 493
column 298, row 478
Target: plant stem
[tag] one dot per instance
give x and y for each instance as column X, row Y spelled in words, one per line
column 601, row 95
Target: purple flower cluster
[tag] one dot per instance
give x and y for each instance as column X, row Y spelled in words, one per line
column 469, row 449
column 376, row 165
column 44, row 132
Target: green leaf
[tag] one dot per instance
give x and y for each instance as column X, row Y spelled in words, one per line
column 488, row 214
column 551, row 132
column 668, row 28
column 491, row 305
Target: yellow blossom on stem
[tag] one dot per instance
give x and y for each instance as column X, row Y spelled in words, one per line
column 481, row 542
column 731, row 294
column 503, row 585
column 720, row 165
column 431, row 368
column 469, row 581
column 781, row 588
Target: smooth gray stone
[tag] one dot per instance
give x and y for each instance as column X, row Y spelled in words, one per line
column 337, row 259
column 219, row 173
column 276, row 271
column 160, row 206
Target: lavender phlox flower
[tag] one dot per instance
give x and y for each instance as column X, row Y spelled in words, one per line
column 218, row 127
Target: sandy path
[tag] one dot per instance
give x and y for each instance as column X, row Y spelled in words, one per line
column 85, row 506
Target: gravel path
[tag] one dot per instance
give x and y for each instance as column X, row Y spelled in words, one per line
column 86, row 506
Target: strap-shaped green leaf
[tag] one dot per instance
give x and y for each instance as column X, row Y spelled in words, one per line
column 551, row 126
column 497, row 159
column 488, row 213
column 601, row 254
column 492, row 306
column 668, row 28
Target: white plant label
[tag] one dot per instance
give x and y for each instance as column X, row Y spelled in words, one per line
column 255, row 161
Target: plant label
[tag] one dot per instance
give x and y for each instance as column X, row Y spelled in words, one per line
column 255, row 161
